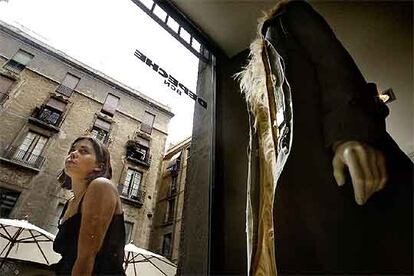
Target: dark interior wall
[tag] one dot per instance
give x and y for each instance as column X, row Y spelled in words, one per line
column 379, row 36
column 228, row 239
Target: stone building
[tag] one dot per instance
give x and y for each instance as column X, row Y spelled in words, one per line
column 47, row 99
column 166, row 233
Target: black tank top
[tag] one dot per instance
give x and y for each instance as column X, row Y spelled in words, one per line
column 110, row 257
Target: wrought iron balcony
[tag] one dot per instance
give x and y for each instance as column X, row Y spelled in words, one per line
column 130, row 195
column 24, row 158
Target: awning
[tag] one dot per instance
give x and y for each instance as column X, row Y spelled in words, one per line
column 174, row 159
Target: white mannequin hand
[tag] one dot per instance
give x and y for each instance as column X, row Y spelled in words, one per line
column 366, row 166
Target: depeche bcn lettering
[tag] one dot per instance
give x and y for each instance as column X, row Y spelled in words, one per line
column 170, row 81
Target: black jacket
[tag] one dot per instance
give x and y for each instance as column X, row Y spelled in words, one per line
column 318, row 226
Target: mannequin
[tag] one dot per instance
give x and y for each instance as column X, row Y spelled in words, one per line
column 329, row 191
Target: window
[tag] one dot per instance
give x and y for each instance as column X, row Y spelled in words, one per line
column 51, row 113
column 31, row 148
column 147, row 122
column 173, row 24
column 188, row 152
column 19, row 61
column 185, row 35
column 55, row 222
column 131, row 185
column 137, row 151
column 8, row 199
column 100, row 130
column 169, row 22
column 166, row 245
column 169, row 215
column 160, row 13
column 5, row 84
column 128, row 231
column 68, row 84
column 148, row 3
column 173, row 187
column 173, row 165
column 110, row 105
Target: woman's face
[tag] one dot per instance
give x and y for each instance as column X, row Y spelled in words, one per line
column 81, row 161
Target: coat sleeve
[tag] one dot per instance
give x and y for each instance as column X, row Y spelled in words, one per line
column 350, row 109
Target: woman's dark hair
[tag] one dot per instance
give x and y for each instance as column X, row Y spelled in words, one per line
column 103, row 158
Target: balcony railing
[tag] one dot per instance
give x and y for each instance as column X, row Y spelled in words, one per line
column 22, row 157
column 137, row 196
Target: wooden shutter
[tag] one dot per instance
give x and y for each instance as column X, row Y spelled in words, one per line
column 70, row 81
column 143, row 142
column 102, row 124
column 110, row 104
column 22, row 57
column 147, row 122
column 68, row 84
column 56, row 104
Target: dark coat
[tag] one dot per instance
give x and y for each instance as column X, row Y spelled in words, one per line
column 318, row 226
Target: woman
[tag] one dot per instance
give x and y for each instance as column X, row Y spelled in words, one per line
column 91, row 235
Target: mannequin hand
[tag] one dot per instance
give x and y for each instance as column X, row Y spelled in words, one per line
column 366, row 166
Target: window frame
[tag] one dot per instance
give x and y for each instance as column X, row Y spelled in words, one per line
column 98, row 132
column 170, row 211
column 28, row 153
column 100, row 129
column 66, row 90
column 4, row 95
column 15, row 66
column 107, row 106
column 147, row 128
column 3, row 198
column 44, row 117
column 129, row 194
column 163, row 248
column 128, row 236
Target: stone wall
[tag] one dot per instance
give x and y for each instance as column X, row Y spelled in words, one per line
column 41, row 196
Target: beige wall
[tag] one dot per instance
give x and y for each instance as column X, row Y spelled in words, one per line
column 379, row 36
column 160, row 227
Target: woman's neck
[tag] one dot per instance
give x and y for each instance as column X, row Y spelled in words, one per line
column 79, row 187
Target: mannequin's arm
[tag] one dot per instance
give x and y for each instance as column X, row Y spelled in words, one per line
column 366, row 166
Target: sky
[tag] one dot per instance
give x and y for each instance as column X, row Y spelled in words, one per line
column 104, row 34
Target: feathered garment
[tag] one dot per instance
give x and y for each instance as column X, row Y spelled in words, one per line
column 268, row 98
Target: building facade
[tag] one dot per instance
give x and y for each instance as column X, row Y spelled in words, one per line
column 166, row 234
column 48, row 99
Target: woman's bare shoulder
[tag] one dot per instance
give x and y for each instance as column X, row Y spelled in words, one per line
column 102, row 187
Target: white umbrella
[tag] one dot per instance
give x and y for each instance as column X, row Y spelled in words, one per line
column 24, row 241
column 139, row 261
